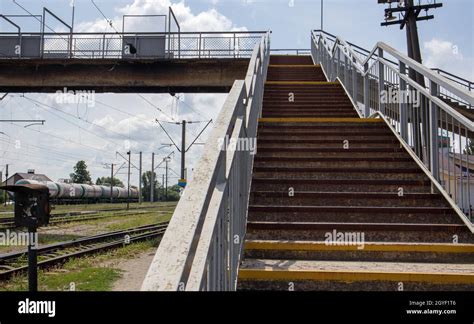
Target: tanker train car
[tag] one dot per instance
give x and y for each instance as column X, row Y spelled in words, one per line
column 63, row 193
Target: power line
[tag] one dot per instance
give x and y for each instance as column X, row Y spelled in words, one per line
column 156, row 107
column 109, row 21
column 42, row 148
column 61, row 138
column 76, row 117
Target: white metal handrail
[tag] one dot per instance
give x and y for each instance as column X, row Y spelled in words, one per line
column 439, row 136
column 203, row 243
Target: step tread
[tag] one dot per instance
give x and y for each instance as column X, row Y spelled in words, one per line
column 295, row 245
column 265, row 225
column 359, row 194
column 263, row 269
column 322, row 208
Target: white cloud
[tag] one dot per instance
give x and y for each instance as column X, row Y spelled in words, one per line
column 445, row 55
column 209, row 20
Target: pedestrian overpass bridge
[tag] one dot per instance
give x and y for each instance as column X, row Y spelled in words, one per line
column 348, row 190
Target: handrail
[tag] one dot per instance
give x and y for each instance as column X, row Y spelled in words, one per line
column 459, row 80
column 130, row 45
column 203, row 244
column 431, row 128
column 410, row 63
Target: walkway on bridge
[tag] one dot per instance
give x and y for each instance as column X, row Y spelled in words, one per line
column 326, row 211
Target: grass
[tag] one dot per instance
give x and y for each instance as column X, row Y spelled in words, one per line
column 87, row 273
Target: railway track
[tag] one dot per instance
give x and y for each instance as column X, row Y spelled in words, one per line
column 57, row 253
column 8, row 222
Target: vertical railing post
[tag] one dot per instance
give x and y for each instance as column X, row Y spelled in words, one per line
column 199, row 47
column 433, row 124
column 381, row 81
column 403, row 104
column 366, row 91
column 346, row 71
column 354, row 81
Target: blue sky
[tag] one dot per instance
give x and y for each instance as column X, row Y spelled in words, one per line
column 447, row 42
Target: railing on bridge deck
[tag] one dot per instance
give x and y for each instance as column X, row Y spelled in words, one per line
column 122, row 45
column 439, row 138
column 365, row 54
column 202, row 246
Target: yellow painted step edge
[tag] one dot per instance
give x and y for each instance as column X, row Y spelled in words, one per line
column 321, row 246
column 319, row 120
column 350, row 276
column 294, row 65
column 301, row 82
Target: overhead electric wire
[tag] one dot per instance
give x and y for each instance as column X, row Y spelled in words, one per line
column 42, row 148
column 72, row 115
column 78, row 126
column 61, row 138
column 156, row 107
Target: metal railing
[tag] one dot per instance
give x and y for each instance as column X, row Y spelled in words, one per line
column 364, row 54
column 435, row 134
column 291, row 51
column 203, row 244
column 152, row 45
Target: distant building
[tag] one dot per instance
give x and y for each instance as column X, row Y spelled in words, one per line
column 31, row 175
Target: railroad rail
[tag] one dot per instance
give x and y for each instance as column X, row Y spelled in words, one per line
column 9, row 222
column 53, row 254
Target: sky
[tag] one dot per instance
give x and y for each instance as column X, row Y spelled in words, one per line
column 118, row 122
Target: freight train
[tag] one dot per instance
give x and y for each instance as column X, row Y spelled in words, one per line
column 60, row 192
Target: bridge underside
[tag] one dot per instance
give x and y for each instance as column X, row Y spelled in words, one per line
column 124, row 76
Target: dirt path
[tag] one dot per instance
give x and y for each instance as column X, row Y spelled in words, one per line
column 134, row 271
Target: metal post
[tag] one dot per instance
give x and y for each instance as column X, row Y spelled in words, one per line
column 381, row 81
column 354, row 82
column 4, row 191
column 346, row 72
column 366, row 91
column 183, row 149
column 128, row 180
column 32, row 260
column 112, row 183
column 322, row 11
column 433, row 113
column 140, row 181
column 152, row 178
column 162, row 185
column 403, row 105
column 72, row 26
column 166, row 185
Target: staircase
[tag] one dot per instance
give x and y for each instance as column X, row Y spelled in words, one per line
column 336, row 201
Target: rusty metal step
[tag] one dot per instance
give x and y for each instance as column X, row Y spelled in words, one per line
column 332, row 185
column 364, row 251
column 291, row 59
column 380, row 210
column 375, row 232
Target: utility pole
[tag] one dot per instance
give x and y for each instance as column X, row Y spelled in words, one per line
column 112, row 183
column 128, row 181
column 183, row 149
column 140, row 181
column 162, row 186
column 6, row 184
column 166, row 186
column 112, row 180
column 408, row 15
column 322, row 10
column 152, row 178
